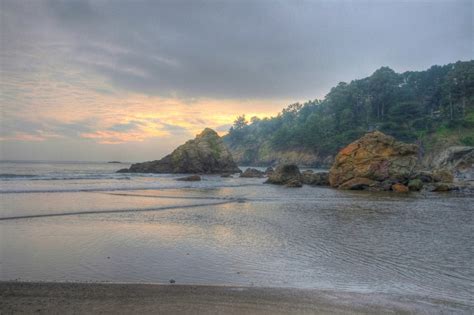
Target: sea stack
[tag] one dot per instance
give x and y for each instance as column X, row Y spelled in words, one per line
column 206, row 154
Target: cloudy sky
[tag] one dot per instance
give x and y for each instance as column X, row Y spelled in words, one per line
column 129, row 80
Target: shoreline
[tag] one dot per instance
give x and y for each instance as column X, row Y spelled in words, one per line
column 124, row 298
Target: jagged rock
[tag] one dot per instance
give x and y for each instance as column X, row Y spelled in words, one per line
column 358, row 183
column 294, row 183
column 400, row 188
column 252, row 173
column 205, row 154
column 192, row 178
column 315, row 179
column 375, row 156
column 284, row 174
column 415, row 184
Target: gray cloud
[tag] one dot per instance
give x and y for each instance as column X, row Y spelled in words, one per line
column 238, row 49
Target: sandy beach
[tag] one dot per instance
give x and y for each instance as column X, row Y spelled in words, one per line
column 88, row 298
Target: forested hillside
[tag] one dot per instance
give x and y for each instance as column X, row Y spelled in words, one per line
column 429, row 107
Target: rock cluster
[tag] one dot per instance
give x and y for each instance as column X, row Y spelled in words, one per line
column 206, row 154
column 252, row 173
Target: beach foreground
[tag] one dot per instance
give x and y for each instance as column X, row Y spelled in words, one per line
column 87, row 298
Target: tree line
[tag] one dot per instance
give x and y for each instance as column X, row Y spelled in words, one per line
column 409, row 106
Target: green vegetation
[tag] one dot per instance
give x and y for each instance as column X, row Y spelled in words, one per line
column 412, row 106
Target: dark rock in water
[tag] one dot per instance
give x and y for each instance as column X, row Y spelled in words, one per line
column 192, row 178
column 251, row 173
column 284, row 174
column 123, row 170
column 400, row 188
column 269, row 171
column 294, row 183
column 358, row 183
column 415, row 184
column 172, row 281
column 375, row 156
column 315, row 179
column 206, row 154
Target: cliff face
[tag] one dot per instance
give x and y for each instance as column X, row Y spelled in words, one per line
column 264, row 155
column 205, row 154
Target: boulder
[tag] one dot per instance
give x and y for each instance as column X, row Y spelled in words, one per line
column 252, row 173
column 192, row 178
column 284, row 174
column 315, row 179
column 400, row 188
column 375, row 156
column 358, row 183
column 415, row 184
column 206, row 154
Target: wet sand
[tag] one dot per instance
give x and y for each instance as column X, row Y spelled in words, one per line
column 93, row 298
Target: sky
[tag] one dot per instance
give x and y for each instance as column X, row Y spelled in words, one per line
column 130, row 80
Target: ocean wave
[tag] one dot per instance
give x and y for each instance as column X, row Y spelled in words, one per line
column 16, row 176
column 47, row 215
column 118, row 188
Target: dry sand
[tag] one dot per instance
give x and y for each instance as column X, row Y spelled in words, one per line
column 94, row 298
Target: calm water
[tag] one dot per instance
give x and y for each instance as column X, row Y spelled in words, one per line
column 83, row 222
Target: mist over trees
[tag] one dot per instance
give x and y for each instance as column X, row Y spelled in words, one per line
column 409, row 106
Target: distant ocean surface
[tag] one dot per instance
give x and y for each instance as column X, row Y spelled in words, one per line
column 77, row 221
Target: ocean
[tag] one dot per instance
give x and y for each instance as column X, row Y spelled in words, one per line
column 83, row 222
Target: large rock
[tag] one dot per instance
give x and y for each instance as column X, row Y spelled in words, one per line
column 284, row 174
column 206, row 154
column 375, row 156
column 458, row 160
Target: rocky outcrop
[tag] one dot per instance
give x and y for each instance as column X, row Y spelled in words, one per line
column 458, row 160
column 376, row 157
column 206, row 154
column 285, row 174
column 252, row 173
